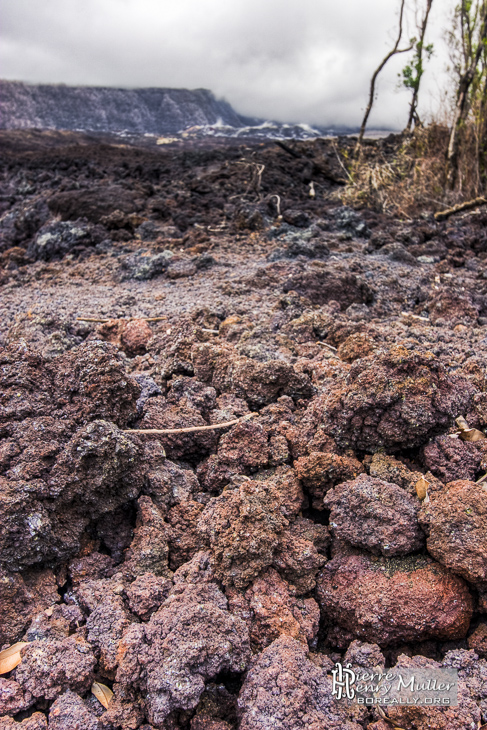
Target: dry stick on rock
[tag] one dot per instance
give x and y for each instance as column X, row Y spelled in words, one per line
column 394, row 51
column 191, row 429
column 330, row 347
column 468, row 205
column 130, row 319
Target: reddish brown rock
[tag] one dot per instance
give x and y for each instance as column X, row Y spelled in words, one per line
column 184, row 538
column 240, row 451
column 131, row 336
column 322, row 286
column 149, row 550
column 456, row 525
column 396, row 400
column 167, row 484
column 243, row 531
column 477, row 641
column 69, row 712
column 43, row 520
column 135, row 337
column 386, row 601
column 243, row 525
column 275, row 612
column 48, row 668
column 375, row 515
column 465, row 715
column 389, row 469
column 56, row 622
column 92, row 593
column 147, row 593
column 189, row 640
column 259, row 383
column 12, row 698
column 452, row 459
column 319, row 472
column 21, row 598
column 126, row 710
column 37, row 721
column 356, row 346
column 453, row 308
column 90, row 383
column 91, row 567
column 59, row 462
column 106, row 625
column 184, row 391
column 301, row 553
column 285, row 690
column 158, row 413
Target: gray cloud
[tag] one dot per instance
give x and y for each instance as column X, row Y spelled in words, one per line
column 294, row 60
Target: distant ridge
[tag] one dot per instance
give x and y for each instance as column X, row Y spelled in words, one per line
column 105, row 109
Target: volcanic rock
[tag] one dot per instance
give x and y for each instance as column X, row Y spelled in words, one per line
column 286, row 688
column 375, row 515
column 396, row 400
column 454, row 520
column 387, row 601
column 189, row 640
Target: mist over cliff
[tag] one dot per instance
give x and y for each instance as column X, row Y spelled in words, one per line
column 104, row 109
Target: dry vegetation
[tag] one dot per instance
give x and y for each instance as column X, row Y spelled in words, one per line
column 412, row 178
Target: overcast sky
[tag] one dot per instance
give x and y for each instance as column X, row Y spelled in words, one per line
column 292, row 60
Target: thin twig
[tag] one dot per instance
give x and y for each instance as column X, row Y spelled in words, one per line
column 330, row 347
column 130, row 319
column 340, row 161
column 192, row 428
column 214, row 332
column 482, row 479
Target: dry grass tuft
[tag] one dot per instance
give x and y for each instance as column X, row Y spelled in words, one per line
column 411, row 178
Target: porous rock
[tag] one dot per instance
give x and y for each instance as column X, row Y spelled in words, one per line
column 243, row 527
column 56, row 239
column 275, row 611
column 465, row 715
column 301, row 553
column 12, row 699
column 131, row 336
column 375, row 515
column 106, row 625
column 451, row 459
column 286, row 690
column 159, row 413
column 319, row 472
column 37, row 721
column 69, row 712
column 51, row 667
column 455, row 522
column 149, row 550
column 321, row 286
column 389, row 600
column 397, row 400
column 146, row 594
column 259, row 383
column 189, row 640
column 21, row 598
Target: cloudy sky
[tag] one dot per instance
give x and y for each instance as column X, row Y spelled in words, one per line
column 292, row 60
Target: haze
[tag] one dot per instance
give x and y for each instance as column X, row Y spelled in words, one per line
column 290, row 60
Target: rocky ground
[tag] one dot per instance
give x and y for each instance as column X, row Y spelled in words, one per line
column 211, row 579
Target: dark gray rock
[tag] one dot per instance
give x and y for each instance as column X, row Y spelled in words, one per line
column 57, row 239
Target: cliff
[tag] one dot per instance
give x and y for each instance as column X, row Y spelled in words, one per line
column 102, row 109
